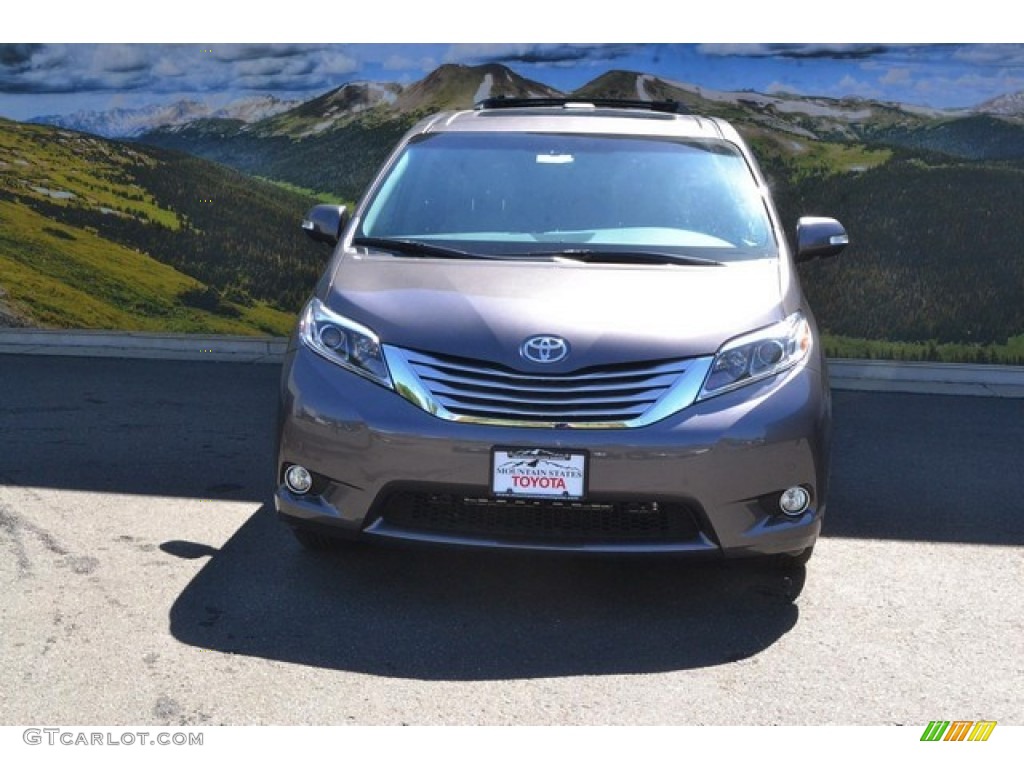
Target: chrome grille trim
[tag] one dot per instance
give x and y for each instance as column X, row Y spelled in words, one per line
column 616, row 397
column 638, row 371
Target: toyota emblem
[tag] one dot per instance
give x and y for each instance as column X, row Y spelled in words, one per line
column 544, row 349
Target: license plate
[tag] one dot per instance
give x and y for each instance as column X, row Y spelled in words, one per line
column 538, row 473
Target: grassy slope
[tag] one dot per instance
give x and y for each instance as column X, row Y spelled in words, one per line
column 58, row 271
column 58, row 276
column 38, row 158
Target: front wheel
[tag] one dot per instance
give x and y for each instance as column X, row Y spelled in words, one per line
column 796, row 559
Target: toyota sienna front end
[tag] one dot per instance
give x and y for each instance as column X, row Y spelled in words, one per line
column 561, row 326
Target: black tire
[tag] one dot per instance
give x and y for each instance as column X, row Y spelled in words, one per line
column 796, row 559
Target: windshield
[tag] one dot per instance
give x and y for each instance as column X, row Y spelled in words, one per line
column 521, row 194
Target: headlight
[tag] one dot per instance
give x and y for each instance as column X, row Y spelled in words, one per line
column 344, row 342
column 757, row 355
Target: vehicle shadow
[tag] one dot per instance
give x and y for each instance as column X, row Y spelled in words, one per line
column 462, row 615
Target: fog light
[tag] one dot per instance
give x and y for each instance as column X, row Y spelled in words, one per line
column 298, row 479
column 794, row 501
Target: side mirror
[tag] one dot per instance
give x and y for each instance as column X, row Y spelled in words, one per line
column 819, row 237
column 324, row 223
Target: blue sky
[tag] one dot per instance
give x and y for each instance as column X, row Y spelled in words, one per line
column 38, row 78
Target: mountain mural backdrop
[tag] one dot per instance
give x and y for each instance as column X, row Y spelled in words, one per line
column 932, row 200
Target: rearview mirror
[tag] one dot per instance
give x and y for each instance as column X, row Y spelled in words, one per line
column 324, row 223
column 818, row 237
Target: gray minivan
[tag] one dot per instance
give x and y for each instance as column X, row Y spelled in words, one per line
column 561, row 325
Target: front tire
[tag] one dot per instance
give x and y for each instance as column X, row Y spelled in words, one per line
column 796, row 559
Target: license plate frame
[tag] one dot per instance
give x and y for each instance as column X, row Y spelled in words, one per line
column 539, row 473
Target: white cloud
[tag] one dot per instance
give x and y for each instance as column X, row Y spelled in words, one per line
column 991, row 54
column 851, row 86
column 335, row 62
column 969, row 89
column 896, row 76
column 256, row 67
column 461, row 52
column 168, row 67
column 551, row 54
column 397, row 63
column 121, row 58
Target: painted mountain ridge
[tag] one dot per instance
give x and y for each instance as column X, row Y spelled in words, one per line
column 1010, row 105
column 129, row 123
column 388, row 108
column 354, row 126
column 455, row 86
column 328, row 111
column 452, row 86
column 824, row 119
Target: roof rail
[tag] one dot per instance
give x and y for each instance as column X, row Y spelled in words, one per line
column 508, row 102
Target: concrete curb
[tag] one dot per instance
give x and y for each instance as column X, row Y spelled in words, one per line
column 928, row 378
column 170, row 346
column 864, row 375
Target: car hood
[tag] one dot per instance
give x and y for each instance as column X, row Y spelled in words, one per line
column 607, row 313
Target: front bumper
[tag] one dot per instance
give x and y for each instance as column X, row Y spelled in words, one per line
column 710, row 473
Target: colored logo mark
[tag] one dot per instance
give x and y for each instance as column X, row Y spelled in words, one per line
column 958, row 730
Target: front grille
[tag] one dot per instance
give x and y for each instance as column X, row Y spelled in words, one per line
column 539, row 519
column 474, row 389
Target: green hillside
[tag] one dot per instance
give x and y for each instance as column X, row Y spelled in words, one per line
column 339, row 162
column 977, row 137
column 936, row 255
column 102, row 234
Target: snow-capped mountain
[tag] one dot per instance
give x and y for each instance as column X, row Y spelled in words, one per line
column 254, row 108
column 331, row 109
column 129, row 123
column 1008, row 105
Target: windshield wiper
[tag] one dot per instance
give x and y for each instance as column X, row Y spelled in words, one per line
column 594, row 256
column 415, row 248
